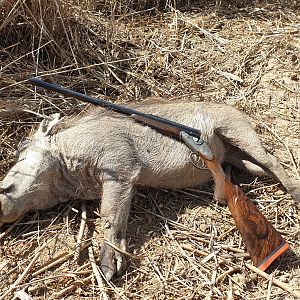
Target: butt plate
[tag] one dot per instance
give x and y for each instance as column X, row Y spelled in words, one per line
column 277, row 252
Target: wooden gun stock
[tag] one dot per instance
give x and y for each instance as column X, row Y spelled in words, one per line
column 261, row 239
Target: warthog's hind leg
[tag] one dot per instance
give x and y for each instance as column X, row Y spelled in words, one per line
column 258, row 162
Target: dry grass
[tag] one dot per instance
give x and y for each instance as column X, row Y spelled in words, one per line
column 246, row 53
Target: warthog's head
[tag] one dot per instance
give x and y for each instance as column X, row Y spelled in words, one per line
column 29, row 184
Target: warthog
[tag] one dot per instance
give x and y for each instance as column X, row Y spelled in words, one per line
column 104, row 153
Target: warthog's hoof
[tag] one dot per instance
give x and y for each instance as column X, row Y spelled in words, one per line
column 112, row 261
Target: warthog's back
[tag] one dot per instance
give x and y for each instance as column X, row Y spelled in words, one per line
column 126, row 146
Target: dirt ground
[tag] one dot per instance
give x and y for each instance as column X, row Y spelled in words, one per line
column 183, row 245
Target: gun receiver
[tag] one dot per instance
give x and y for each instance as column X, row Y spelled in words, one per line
column 262, row 241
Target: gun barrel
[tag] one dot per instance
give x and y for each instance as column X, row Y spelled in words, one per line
column 116, row 107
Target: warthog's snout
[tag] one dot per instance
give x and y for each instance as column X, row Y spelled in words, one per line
column 8, row 211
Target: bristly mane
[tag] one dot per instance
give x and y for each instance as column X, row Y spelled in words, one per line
column 96, row 112
column 89, row 114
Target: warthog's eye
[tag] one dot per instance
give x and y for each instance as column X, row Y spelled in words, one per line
column 23, row 144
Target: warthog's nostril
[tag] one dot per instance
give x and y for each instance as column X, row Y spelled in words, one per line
column 7, row 189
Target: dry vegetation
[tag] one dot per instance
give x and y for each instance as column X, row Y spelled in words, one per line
column 246, row 53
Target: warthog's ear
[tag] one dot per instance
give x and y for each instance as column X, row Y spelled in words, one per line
column 48, row 123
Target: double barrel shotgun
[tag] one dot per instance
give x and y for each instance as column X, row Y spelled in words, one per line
column 262, row 240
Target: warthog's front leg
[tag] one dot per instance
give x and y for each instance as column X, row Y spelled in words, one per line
column 115, row 206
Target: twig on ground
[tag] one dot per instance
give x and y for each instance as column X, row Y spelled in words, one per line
column 81, row 231
column 230, row 271
column 10, row 228
column 133, row 256
column 189, row 247
column 191, row 261
column 215, row 39
column 70, row 288
column 270, row 287
column 60, row 259
column 22, row 295
column 97, row 274
column 293, row 291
